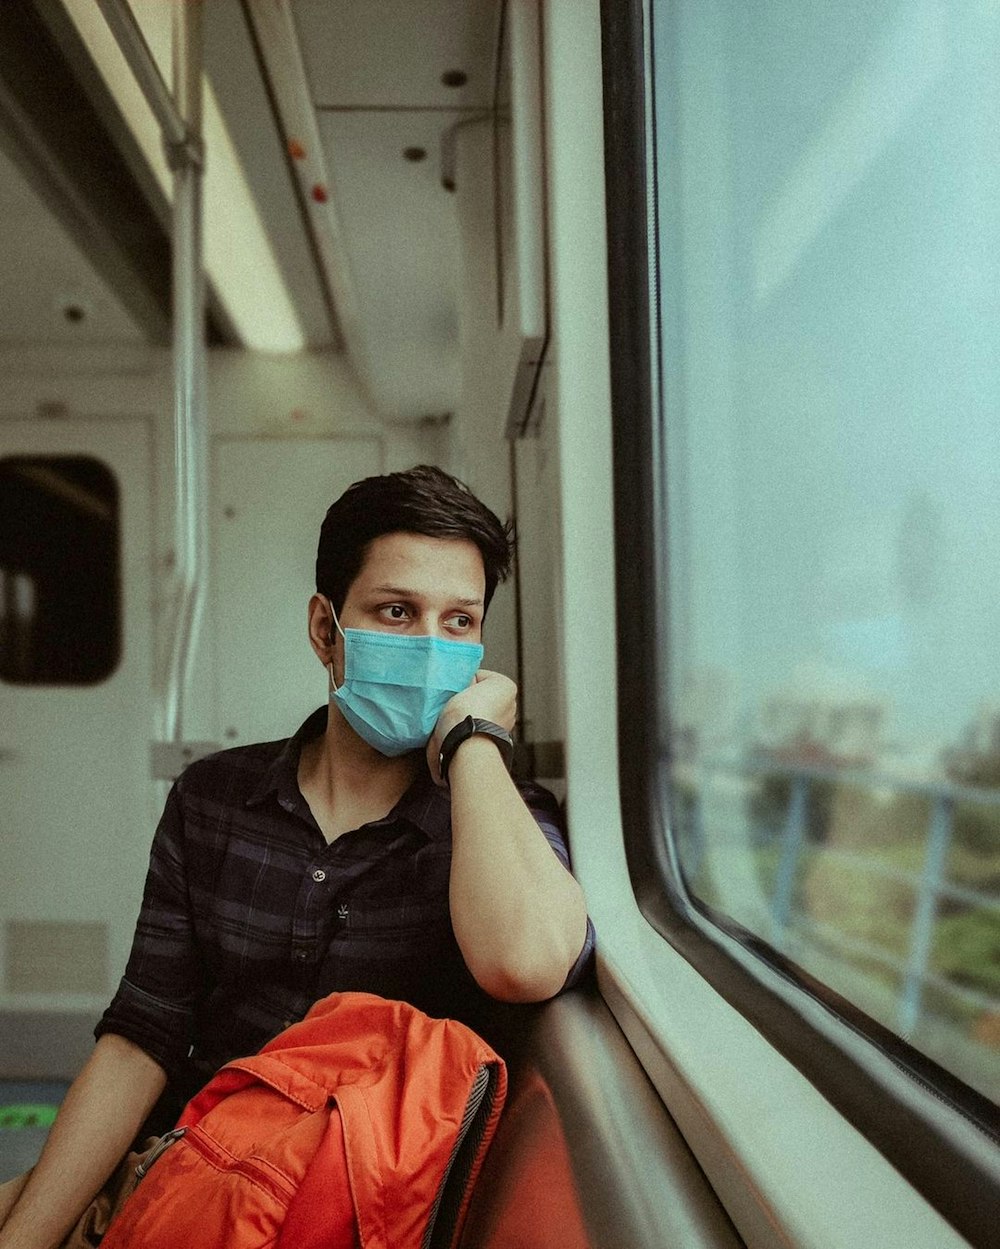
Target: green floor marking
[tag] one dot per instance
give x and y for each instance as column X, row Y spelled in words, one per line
column 26, row 1116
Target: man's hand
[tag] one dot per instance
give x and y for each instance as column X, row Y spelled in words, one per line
column 518, row 915
column 491, row 696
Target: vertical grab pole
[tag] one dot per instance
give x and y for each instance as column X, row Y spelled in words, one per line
column 190, row 439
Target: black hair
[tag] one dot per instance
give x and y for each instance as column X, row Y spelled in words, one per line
column 423, row 500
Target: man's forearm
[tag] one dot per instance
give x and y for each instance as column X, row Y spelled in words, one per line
column 519, row 916
column 97, row 1122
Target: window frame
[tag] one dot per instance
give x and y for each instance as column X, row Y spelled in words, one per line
column 917, row 1114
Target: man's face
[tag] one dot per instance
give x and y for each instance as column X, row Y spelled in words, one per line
column 417, row 585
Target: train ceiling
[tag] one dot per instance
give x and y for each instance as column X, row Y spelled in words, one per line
column 84, row 224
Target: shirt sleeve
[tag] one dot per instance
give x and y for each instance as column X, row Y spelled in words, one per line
column 154, row 1004
column 543, row 806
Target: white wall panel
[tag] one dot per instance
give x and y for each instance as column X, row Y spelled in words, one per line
column 75, row 820
column 270, row 500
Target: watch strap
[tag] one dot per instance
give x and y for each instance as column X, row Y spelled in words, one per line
column 472, row 726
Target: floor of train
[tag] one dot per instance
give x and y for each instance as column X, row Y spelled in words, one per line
column 27, row 1108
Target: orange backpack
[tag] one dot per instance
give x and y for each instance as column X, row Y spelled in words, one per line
column 364, row 1125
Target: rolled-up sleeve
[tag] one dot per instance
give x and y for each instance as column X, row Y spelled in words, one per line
column 154, row 1004
column 543, row 806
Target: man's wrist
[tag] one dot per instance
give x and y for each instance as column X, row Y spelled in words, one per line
column 464, row 731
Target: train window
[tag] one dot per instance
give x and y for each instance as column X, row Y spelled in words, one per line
column 60, row 596
column 828, row 280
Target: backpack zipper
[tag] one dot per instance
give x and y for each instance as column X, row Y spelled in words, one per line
column 258, row 1170
column 161, row 1147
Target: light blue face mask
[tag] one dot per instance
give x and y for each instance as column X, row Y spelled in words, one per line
column 396, row 685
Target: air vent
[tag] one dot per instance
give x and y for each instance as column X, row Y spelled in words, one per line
column 50, row 957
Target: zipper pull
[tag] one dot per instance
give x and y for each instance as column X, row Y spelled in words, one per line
column 161, row 1146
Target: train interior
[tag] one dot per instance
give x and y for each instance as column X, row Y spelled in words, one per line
column 409, row 252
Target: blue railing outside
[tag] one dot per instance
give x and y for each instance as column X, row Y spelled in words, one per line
column 930, row 885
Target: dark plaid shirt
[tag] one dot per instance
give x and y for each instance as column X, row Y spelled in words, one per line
column 249, row 916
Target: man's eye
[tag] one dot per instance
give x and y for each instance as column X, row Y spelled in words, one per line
column 460, row 622
column 395, row 611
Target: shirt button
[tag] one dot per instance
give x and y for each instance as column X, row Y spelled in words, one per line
column 319, row 875
column 301, row 955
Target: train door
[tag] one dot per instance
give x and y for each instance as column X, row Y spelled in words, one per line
column 76, row 723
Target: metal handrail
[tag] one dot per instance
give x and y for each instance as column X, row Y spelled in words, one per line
column 130, row 39
column 179, row 117
column 190, row 436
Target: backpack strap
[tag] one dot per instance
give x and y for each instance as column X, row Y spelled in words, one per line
column 363, row 1170
column 322, row 1215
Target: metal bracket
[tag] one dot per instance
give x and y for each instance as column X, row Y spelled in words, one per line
column 449, row 139
column 186, row 153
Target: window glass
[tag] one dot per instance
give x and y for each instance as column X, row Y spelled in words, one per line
column 60, row 598
column 828, row 234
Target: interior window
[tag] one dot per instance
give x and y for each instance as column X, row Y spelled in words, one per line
column 829, row 278
column 60, row 594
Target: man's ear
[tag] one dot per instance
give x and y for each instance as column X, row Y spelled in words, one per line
column 322, row 632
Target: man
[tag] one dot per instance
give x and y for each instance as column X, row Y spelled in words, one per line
column 384, row 847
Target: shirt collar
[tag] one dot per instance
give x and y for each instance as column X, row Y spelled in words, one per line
column 424, row 804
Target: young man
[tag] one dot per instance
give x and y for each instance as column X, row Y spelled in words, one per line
column 340, row 858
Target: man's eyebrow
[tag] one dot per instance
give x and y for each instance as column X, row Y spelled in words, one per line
column 401, row 592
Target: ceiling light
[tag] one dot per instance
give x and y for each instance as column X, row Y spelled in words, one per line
column 238, row 256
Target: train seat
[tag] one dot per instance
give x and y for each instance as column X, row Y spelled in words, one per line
column 586, row 1156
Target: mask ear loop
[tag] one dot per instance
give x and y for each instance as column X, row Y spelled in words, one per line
column 329, row 666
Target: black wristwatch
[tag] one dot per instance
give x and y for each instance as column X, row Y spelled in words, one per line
column 467, row 728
